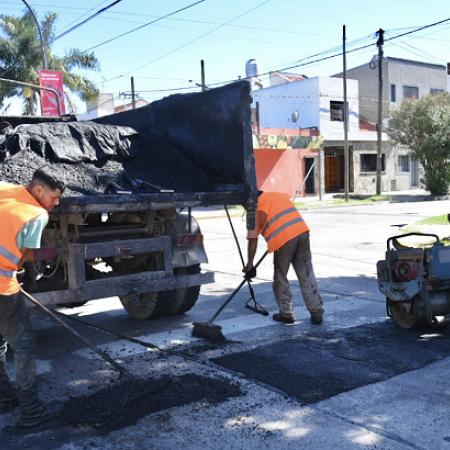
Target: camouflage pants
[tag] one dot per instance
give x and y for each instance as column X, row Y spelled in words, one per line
column 296, row 252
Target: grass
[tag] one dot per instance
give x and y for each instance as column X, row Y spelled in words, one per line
column 416, row 228
column 436, row 220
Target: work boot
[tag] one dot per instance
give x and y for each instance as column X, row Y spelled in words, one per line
column 282, row 318
column 33, row 411
column 8, row 399
column 316, row 320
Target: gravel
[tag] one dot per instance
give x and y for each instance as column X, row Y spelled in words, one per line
column 156, row 161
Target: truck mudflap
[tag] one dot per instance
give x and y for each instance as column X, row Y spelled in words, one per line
column 185, row 256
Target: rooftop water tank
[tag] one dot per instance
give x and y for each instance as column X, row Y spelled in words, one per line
column 252, row 68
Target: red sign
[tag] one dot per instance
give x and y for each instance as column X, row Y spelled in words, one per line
column 52, row 79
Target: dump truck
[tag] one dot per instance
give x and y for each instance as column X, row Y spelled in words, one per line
column 125, row 226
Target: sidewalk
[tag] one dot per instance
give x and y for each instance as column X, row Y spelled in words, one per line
column 328, row 199
column 412, row 195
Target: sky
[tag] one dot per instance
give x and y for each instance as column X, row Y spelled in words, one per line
column 161, row 43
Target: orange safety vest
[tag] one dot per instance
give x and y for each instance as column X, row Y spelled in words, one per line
column 17, row 207
column 283, row 221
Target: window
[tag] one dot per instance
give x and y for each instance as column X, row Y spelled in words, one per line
column 403, row 163
column 337, row 111
column 410, row 92
column 393, row 93
column 436, row 91
column 369, row 162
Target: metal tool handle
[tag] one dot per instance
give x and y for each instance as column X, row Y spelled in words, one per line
column 79, row 336
column 235, row 291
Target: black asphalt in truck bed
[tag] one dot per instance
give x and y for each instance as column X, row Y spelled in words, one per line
column 157, row 162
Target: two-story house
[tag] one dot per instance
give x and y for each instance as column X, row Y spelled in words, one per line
column 401, row 79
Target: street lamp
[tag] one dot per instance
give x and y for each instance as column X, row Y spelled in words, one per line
column 44, row 60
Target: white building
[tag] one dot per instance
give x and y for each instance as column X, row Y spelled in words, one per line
column 319, row 103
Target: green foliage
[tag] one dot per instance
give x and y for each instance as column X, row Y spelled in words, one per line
column 423, row 126
column 21, row 59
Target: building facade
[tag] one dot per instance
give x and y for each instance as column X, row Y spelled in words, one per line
column 318, row 104
column 402, row 79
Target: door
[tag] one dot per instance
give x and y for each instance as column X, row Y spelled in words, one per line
column 309, row 185
column 331, row 173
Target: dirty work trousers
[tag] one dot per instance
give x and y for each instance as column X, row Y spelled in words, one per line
column 17, row 331
column 296, row 252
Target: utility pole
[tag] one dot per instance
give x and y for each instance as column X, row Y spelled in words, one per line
column 380, row 43
column 202, row 63
column 346, row 156
column 133, row 97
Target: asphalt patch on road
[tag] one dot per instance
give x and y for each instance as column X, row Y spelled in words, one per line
column 103, row 412
column 322, row 363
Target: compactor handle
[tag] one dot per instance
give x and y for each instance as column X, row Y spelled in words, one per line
column 397, row 246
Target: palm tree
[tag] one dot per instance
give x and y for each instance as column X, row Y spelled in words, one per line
column 21, row 59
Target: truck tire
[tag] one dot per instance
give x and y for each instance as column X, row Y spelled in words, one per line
column 151, row 306
column 184, row 299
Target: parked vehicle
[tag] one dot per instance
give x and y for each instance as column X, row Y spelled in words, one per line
column 134, row 235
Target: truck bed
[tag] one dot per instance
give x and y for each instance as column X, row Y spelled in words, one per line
column 192, row 150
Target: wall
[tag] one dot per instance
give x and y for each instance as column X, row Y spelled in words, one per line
column 411, row 73
column 396, row 71
column 332, row 89
column 276, row 104
column 283, row 170
column 311, row 98
column 281, row 167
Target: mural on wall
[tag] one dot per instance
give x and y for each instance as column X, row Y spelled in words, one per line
column 283, row 142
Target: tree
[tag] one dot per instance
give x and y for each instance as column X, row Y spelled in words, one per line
column 21, row 59
column 423, row 126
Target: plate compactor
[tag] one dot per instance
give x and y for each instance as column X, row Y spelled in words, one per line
column 416, row 282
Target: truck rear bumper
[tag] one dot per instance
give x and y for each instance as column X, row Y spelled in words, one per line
column 124, row 285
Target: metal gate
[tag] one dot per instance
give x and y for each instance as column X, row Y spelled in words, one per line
column 309, row 185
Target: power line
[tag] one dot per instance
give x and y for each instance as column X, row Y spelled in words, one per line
column 88, row 19
column 145, row 25
column 200, row 37
column 302, row 63
column 417, row 29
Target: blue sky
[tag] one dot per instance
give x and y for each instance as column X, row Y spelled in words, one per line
column 164, row 56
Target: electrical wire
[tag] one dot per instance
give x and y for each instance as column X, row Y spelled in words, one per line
column 88, row 19
column 200, row 37
column 145, row 25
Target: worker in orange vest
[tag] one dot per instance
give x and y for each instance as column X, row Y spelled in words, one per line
column 23, row 217
column 287, row 237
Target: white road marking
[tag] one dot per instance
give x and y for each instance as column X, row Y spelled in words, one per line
column 175, row 337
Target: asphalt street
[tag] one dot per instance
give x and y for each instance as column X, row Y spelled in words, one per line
column 358, row 381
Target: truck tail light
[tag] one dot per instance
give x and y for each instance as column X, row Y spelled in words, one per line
column 188, row 240
column 406, row 270
column 42, row 253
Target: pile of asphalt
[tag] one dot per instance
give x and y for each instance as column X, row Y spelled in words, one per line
column 157, row 162
column 122, row 404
